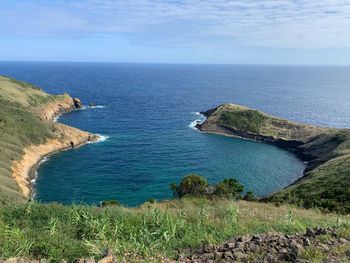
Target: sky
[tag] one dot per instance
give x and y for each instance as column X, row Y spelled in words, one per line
column 177, row 31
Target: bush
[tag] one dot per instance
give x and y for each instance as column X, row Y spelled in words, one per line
column 249, row 196
column 196, row 185
column 229, row 188
column 109, row 203
column 191, row 185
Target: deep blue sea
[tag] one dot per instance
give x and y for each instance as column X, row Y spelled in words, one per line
column 145, row 113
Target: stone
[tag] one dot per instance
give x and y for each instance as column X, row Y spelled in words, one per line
column 77, row 103
column 239, row 256
column 208, row 248
column 343, row 240
column 310, row 232
column 307, row 242
column 253, row 248
column 239, row 245
column 218, row 255
column 229, row 255
column 108, row 257
column 243, row 239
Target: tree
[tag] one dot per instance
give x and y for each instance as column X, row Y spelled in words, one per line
column 190, row 185
column 229, row 188
column 249, row 196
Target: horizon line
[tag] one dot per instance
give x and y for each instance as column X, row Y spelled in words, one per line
column 176, row 63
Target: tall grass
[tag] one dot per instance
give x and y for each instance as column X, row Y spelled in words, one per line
column 150, row 232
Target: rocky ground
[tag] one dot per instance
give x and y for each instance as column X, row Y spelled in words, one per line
column 316, row 245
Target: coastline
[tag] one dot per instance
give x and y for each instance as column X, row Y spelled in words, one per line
column 324, row 150
column 23, row 170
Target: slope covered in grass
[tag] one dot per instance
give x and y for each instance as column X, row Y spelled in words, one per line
column 326, row 180
column 21, row 124
column 150, row 232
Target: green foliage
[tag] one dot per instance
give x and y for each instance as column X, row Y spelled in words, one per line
column 245, row 120
column 196, row 185
column 249, row 196
column 18, row 129
column 190, row 185
column 109, row 203
column 328, row 188
column 150, row 232
column 229, row 188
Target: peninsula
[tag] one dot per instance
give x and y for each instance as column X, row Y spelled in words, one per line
column 190, row 228
column 28, row 132
column 326, row 151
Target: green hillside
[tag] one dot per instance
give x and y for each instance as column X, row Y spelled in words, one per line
column 326, row 180
column 148, row 233
column 20, row 126
column 157, row 232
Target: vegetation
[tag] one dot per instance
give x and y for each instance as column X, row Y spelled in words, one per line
column 328, row 188
column 326, row 183
column 20, row 126
column 151, row 231
column 196, row 185
column 191, row 185
column 229, row 188
column 154, row 231
column 245, row 120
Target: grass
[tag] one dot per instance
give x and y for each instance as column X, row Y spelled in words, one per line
column 327, row 184
column 20, row 126
column 246, row 120
column 150, row 232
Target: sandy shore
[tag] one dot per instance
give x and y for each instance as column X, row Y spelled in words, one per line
column 24, row 169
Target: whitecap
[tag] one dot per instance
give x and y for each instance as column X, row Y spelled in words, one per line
column 101, row 138
column 43, row 160
column 97, row 107
column 194, row 123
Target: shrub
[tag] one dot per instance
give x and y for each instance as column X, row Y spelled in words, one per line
column 229, row 188
column 109, row 203
column 191, row 185
column 249, row 196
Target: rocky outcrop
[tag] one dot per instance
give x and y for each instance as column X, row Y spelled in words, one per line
column 77, row 103
column 326, row 152
column 273, row 247
column 65, row 137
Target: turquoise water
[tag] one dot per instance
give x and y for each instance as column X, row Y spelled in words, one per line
column 146, row 111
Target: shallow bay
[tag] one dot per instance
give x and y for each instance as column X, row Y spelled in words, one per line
column 146, row 111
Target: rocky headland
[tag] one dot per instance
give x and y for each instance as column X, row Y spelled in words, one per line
column 326, row 151
column 29, row 132
column 65, row 137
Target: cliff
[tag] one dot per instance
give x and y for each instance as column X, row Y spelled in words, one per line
column 28, row 133
column 326, row 180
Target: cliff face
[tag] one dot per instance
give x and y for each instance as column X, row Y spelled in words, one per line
column 326, row 180
column 28, row 133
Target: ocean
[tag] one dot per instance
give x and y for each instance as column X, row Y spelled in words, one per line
column 146, row 112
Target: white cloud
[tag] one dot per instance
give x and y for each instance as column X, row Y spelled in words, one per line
column 192, row 23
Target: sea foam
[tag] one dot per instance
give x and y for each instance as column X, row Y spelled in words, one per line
column 101, row 138
column 194, row 123
column 97, row 107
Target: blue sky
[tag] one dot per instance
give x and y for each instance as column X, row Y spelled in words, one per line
column 175, row 31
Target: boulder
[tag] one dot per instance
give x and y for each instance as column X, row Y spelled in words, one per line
column 77, row 103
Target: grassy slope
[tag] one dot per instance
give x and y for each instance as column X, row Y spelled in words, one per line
column 149, row 232
column 326, row 184
column 19, row 127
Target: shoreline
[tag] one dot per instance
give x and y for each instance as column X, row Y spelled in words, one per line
column 67, row 137
column 305, row 149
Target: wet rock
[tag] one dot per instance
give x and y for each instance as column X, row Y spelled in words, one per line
column 77, row 103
